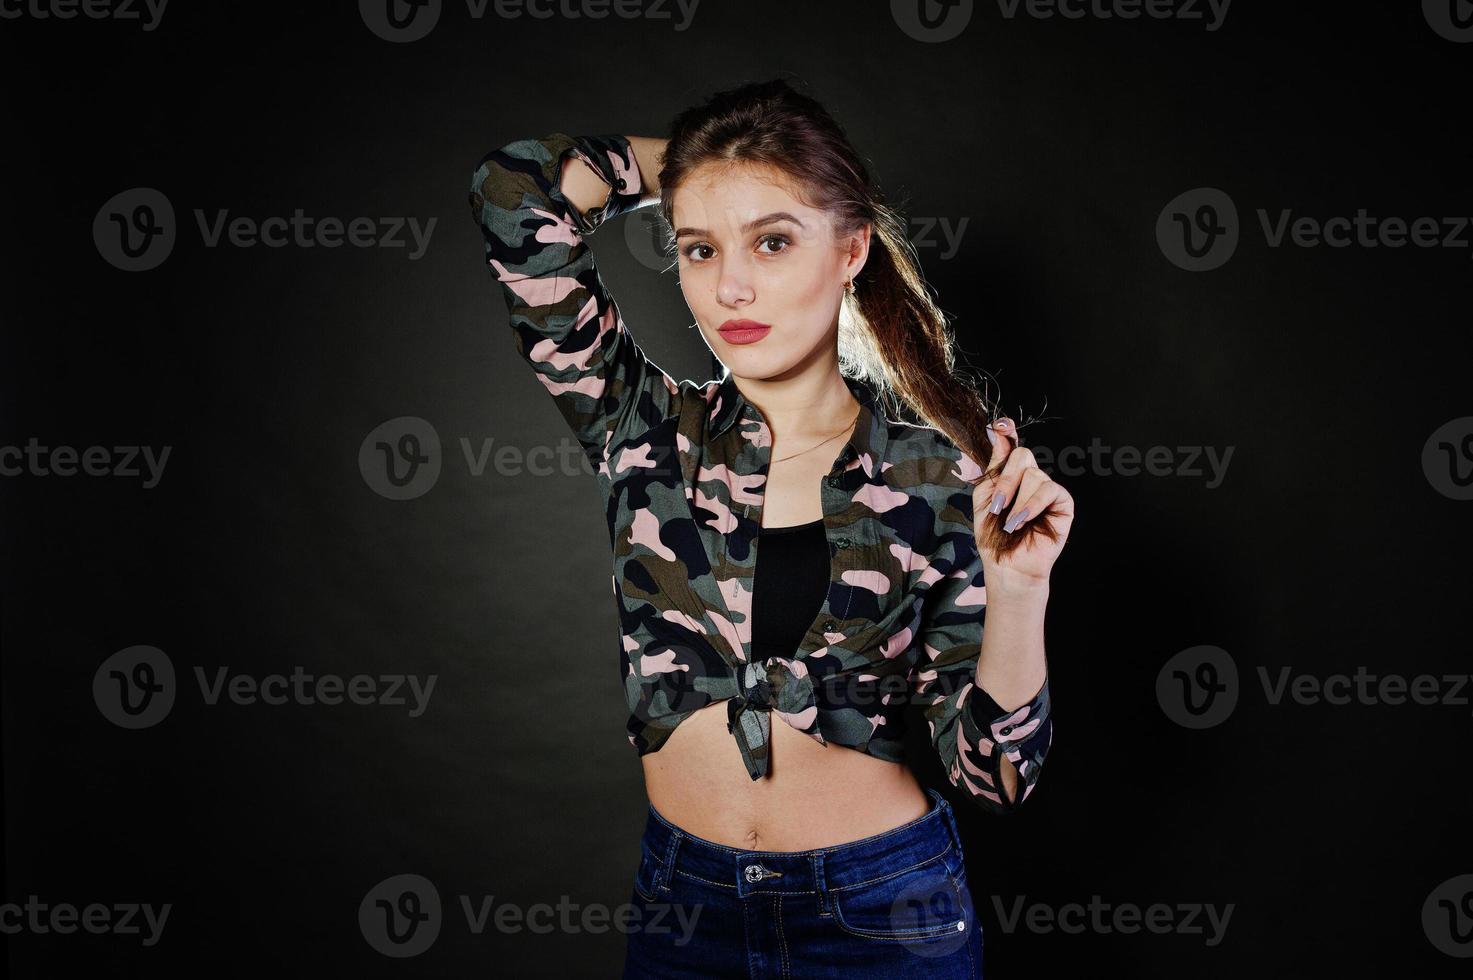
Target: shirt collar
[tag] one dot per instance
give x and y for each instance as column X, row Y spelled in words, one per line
column 870, row 433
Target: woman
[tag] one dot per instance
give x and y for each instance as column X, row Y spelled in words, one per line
column 783, row 547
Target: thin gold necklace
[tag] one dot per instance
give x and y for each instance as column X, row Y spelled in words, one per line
column 828, row 440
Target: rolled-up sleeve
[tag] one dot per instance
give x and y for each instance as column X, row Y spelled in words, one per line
column 567, row 325
column 971, row 731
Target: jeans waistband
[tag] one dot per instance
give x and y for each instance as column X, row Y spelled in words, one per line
column 801, row 872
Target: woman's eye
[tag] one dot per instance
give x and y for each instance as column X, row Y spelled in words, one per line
column 690, row 250
column 779, row 240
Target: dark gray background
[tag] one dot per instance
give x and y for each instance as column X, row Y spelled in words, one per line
column 1325, row 548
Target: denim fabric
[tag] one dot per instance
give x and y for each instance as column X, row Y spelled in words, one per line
column 895, row 904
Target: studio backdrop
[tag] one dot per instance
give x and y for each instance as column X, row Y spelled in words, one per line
column 310, row 659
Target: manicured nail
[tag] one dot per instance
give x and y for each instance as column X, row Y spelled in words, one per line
column 1015, row 520
column 996, row 507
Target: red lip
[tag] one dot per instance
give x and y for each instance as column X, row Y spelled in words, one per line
column 743, row 331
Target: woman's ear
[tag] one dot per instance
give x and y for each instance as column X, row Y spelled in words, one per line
column 858, row 246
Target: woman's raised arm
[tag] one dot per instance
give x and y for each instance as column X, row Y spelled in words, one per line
column 534, row 200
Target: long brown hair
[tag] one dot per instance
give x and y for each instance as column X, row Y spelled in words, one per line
column 892, row 335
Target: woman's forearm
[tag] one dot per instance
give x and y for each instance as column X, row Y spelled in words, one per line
column 649, row 152
column 1011, row 666
column 584, row 189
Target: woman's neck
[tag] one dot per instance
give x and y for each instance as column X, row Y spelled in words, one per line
column 802, row 408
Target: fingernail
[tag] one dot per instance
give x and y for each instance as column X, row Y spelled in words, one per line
column 991, row 437
column 1015, row 520
column 996, row 507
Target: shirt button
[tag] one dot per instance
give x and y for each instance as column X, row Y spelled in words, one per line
column 1005, row 730
column 620, row 183
column 842, row 543
column 835, row 481
column 829, row 626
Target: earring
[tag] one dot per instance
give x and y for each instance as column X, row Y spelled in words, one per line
column 849, row 285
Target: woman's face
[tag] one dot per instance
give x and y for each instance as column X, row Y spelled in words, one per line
column 750, row 251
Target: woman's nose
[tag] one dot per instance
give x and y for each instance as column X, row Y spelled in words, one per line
column 734, row 288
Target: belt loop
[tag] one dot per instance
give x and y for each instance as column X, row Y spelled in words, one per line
column 950, row 817
column 819, row 884
column 662, row 877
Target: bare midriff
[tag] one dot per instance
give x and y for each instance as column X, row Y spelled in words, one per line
column 812, row 796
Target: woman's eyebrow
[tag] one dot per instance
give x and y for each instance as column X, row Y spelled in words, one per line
column 766, row 219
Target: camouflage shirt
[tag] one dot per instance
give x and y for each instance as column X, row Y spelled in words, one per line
column 681, row 467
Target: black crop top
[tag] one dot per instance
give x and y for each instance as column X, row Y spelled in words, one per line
column 788, row 587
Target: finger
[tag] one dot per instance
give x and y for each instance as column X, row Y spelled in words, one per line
column 1003, row 435
column 1005, row 486
column 1034, row 505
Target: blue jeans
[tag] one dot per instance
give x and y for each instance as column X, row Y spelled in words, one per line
column 892, row 905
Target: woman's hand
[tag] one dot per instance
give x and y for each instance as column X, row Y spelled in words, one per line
column 1025, row 499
